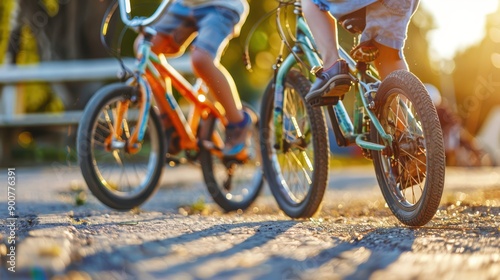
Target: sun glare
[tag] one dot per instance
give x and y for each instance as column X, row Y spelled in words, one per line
column 460, row 24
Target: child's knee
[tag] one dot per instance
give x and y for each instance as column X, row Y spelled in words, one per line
column 161, row 43
column 165, row 43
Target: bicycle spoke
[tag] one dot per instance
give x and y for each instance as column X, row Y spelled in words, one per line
column 307, row 160
column 296, row 166
column 122, row 173
column 117, row 158
column 301, row 167
column 408, row 134
column 296, row 186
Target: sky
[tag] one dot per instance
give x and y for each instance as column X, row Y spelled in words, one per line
column 460, row 23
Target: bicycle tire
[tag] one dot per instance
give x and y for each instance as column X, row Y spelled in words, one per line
column 411, row 185
column 232, row 184
column 108, row 174
column 286, row 183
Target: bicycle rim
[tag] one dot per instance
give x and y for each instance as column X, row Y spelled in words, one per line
column 411, row 172
column 120, row 179
column 233, row 184
column 297, row 172
column 407, row 167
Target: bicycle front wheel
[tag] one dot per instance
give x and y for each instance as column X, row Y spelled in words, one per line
column 120, row 179
column 410, row 173
column 233, row 184
column 296, row 166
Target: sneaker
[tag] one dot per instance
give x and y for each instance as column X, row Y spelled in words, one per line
column 237, row 136
column 333, row 82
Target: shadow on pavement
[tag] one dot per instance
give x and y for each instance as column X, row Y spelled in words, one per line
column 162, row 248
column 335, row 261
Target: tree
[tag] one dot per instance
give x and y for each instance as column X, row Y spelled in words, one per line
column 64, row 30
column 7, row 9
column 57, row 30
column 477, row 76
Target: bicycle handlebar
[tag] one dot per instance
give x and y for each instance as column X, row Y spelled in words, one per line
column 125, row 10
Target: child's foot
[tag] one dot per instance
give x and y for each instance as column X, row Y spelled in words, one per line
column 335, row 81
column 237, row 135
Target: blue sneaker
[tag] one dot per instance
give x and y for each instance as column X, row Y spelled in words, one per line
column 237, row 136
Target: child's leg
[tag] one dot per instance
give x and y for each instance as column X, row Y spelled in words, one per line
column 387, row 26
column 219, row 81
column 216, row 26
column 162, row 43
column 324, row 29
column 333, row 80
column 389, row 60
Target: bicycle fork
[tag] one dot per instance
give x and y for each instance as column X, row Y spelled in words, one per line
column 133, row 143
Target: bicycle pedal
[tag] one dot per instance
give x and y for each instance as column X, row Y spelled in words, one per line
column 324, row 101
column 339, row 88
column 242, row 157
column 173, row 161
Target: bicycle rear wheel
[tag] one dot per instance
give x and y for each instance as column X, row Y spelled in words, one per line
column 297, row 172
column 118, row 178
column 233, row 184
column 411, row 172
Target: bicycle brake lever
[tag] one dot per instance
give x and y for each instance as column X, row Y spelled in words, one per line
column 247, row 62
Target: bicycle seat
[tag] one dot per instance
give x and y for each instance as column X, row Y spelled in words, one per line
column 354, row 22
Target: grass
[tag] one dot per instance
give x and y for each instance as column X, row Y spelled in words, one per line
column 347, row 161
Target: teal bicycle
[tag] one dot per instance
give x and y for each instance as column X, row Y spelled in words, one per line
column 394, row 122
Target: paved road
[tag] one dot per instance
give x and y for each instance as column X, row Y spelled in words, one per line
column 354, row 236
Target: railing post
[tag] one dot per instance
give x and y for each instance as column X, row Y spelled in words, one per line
column 8, row 101
column 9, row 107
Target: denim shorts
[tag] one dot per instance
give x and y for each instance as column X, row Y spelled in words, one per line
column 386, row 20
column 212, row 25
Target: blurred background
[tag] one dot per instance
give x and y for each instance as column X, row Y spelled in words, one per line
column 453, row 46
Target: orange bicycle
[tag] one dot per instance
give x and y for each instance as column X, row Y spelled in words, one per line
column 129, row 129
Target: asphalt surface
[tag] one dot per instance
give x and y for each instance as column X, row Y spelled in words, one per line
column 354, row 236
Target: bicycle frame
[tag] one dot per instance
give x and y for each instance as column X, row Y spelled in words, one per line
column 133, row 127
column 345, row 130
column 155, row 78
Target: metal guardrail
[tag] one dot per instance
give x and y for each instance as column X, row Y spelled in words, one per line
column 11, row 111
column 62, row 71
column 58, row 72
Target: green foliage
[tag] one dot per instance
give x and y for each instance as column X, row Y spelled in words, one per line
column 477, row 77
column 417, row 47
column 6, row 10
